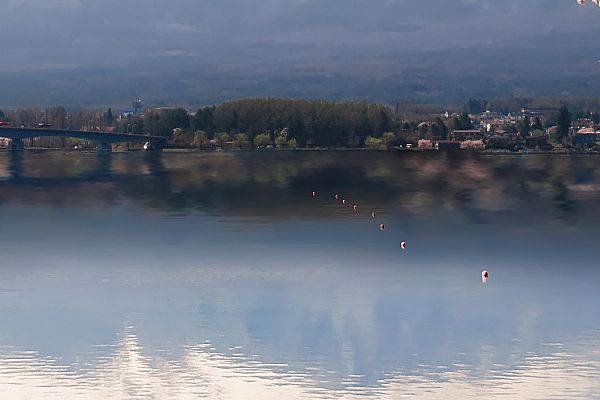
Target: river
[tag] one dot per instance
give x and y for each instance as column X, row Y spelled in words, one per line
column 221, row 276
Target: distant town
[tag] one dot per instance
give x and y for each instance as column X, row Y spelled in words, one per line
column 310, row 124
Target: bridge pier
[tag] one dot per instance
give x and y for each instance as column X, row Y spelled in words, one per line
column 16, row 145
column 152, row 146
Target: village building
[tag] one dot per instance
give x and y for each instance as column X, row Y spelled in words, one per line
column 539, row 112
column 586, row 137
column 464, row 135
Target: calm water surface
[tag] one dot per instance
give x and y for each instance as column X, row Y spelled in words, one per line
column 218, row 276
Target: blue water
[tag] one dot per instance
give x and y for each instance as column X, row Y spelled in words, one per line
column 181, row 276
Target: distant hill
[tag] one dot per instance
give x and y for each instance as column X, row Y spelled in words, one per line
column 84, row 53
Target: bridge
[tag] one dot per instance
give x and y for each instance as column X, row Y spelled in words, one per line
column 104, row 139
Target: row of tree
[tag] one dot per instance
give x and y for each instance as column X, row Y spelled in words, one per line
column 309, row 123
column 59, row 118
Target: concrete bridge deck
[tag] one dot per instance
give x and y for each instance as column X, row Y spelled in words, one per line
column 100, row 137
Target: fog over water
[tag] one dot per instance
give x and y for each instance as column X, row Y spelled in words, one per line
column 219, row 275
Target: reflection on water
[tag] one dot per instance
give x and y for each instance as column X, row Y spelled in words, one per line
column 545, row 186
column 200, row 373
column 219, row 276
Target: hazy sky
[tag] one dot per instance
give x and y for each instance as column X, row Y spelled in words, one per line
column 46, row 33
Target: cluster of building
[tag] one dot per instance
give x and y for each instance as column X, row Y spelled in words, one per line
column 587, row 136
column 492, row 130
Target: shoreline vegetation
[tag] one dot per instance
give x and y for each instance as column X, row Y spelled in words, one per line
column 485, row 152
column 318, row 125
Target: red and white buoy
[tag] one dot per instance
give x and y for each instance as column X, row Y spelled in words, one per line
column 337, row 196
column 484, row 276
column 355, row 207
column 314, row 194
column 373, row 215
column 344, row 202
column 403, row 245
column 382, row 227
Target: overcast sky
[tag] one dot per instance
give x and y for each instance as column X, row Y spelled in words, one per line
column 88, row 53
column 66, row 33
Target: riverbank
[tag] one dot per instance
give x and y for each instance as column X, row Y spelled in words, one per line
column 488, row 152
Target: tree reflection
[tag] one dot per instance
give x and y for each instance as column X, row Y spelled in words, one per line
column 280, row 183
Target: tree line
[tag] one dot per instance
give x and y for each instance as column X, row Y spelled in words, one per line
column 284, row 123
column 310, row 123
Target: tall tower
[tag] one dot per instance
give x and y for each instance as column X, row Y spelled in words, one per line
column 138, row 106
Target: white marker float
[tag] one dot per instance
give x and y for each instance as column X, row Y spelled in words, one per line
column 484, row 276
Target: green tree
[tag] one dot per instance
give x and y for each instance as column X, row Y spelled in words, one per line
column 2, row 115
column 163, row 123
column 177, row 118
column 525, row 127
column 292, row 143
column 373, row 142
column 456, row 124
column 563, row 125
column 110, row 120
column 439, row 129
column 476, row 106
column 311, row 123
column 389, row 138
column 413, row 126
column 262, row 140
column 240, row 139
column 181, row 138
column 222, row 138
column 537, row 125
column 280, row 141
column 510, row 128
column 155, row 127
column 200, row 139
column 465, row 121
column 204, row 120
